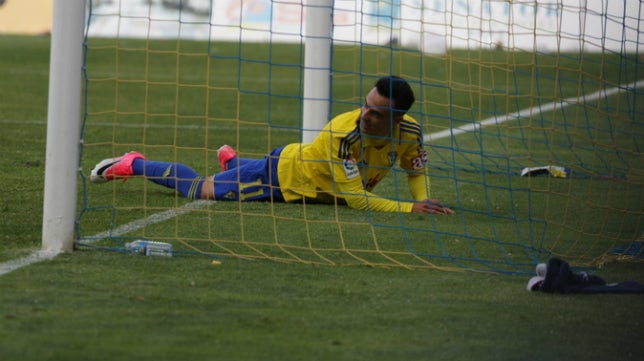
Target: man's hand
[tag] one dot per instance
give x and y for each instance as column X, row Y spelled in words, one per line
column 430, row 206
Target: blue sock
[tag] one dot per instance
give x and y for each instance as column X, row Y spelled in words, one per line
column 172, row 175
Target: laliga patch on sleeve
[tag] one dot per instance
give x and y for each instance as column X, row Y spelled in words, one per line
column 420, row 161
column 350, row 168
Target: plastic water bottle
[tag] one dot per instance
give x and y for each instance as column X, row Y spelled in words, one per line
column 149, row 248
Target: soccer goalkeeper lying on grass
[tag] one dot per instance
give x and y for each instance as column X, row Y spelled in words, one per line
column 349, row 157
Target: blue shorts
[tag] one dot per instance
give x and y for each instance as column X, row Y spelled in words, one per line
column 250, row 180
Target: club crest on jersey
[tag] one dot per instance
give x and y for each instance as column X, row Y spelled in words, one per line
column 350, row 168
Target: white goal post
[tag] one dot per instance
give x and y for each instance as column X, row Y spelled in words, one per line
column 317, row 67
column 64, row 109
column 63, row 125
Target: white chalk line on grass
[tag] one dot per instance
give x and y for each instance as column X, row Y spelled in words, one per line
column 38, row 256
column 155, row 218
column 35, row 257
column 531, row 111
column 42, row 255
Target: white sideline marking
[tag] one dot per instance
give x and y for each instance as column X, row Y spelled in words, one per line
column 529, row 111
column 38, row 256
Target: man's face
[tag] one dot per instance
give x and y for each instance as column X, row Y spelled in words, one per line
column 376, row 117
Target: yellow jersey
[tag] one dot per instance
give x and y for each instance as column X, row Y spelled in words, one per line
column 344, row 165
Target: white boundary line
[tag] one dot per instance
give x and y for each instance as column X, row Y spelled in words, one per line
column 35, row 257
column 530, row 111
column 155, row 218
column 41, row 255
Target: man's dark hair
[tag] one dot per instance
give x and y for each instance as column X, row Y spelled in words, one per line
column 398, row 90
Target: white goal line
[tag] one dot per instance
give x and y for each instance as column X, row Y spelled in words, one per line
column 42, row 255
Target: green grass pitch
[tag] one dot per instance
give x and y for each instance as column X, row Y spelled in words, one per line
column 100, row 305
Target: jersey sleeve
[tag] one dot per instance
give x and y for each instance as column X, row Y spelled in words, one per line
column 418, row 186
column 414, row 162
column 348, row 184
column 373, row 202
column 414, row 159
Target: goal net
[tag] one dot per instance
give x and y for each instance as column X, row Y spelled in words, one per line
column 529, row 110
